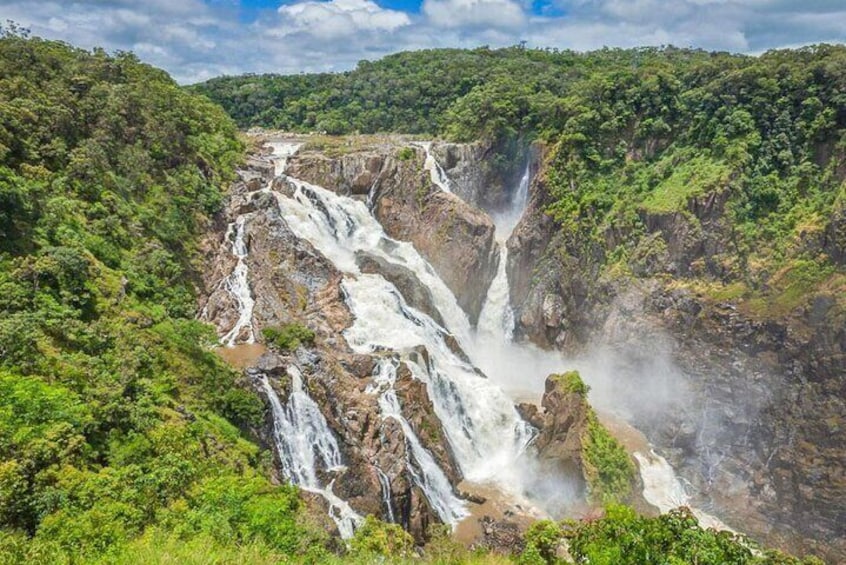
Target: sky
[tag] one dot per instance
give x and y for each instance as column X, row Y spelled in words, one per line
column 198, row 39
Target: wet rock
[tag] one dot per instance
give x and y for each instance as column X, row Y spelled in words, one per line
column 500, row 536
column 565, row 421
column 531, row 414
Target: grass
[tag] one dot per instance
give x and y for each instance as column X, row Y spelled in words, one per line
column 571, row 381
column 288, row 337
column 689, row 179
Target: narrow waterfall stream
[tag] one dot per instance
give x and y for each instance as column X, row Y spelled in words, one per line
column 487, row 436
column 424, row 470
column 436, row 172
column 238, row 286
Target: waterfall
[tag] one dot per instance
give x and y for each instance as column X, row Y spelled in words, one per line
column 237, row 282
column 385, row 484
column 481, row 424
column 484, row 431
column 662, row 489
column 424, row 470
column 305, row 445
column 436, row 173
column 238, row 286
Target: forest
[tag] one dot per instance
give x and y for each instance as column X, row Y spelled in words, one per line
column 124, row 439
column 630, row 135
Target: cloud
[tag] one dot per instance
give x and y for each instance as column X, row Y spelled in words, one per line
column 195, row 39
column 474, row 14
column 339, row 18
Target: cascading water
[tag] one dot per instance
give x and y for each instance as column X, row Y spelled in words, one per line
column 306, row 445
column 424, row 470
column 662, row 489
column 436, row 172
column 487, row 436
column 483, row 428
column 237, row 284
column 385, row 485
column 496, row 320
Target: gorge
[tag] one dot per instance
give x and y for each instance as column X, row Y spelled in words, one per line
column 394, row 364
column 533, row 306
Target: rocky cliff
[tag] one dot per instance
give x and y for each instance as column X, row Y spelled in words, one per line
column 455, row 237
column 758, row 427
column 293, row 283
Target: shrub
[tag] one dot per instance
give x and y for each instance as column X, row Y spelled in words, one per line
column 288, row 337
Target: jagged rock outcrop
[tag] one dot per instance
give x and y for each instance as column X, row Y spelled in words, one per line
column 291, row 282
column 456, row 238
column 564, row 425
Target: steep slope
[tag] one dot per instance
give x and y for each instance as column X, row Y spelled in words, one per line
column 115, row 418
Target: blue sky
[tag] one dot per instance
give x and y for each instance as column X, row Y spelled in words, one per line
column 198, row 39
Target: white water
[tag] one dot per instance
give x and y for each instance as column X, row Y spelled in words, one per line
column 385, row 484
column 306, row 445
column 485, row 432
column 481, row 424
column 496, row 320
column 436, row 173
column 662, row 489
column 425, row 471
column 238, row 286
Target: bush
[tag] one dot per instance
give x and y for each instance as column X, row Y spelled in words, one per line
column 376, row 538
column 288, row 337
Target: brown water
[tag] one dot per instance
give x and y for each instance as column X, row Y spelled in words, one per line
column 498, row 505
column 241, row 356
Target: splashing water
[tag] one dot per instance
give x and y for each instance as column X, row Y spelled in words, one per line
column 424, row 470
column 483, row 428
column 436, row 173
column 238, row 286
column 306, row 445
column 662, row 489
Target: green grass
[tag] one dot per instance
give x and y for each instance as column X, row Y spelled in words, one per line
column 686, row 180
column 288, row 337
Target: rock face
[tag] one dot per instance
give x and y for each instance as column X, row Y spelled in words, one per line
column 292, row 283
column 456, row 238
column 476, row 176
column 564, row 424
column 757, row 418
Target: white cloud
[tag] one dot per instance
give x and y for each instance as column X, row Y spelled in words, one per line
column 338, row 18
column 197, row 40
column 474, row 14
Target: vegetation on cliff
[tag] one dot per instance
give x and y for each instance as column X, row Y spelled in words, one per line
column 115, row 419
column 635, row 137
column 121, row 437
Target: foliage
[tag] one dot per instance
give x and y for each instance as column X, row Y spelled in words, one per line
column 542, row 541
column 288, row 337
column 623, row 537
column 115, row 419
column 375, row 538
column 608, row 468
column 571, row 381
